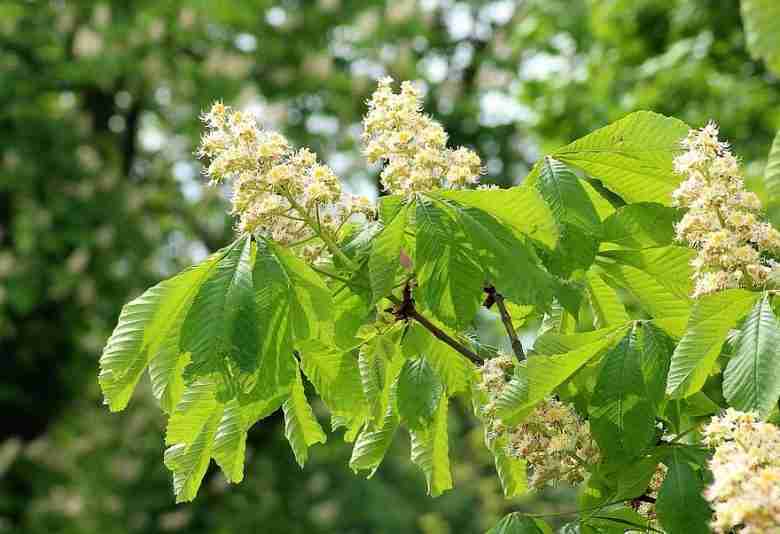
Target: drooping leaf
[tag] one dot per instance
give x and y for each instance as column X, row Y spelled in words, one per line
column 385, row 255
column 419, row 392
column 149, row 329
column 430, row 451
column 711, row 319
column 655, row 349
column 220, row 327
column 751, row 381
column 372, row 443
column 632, row 157
column 763, row 36
column 680, row 505
column 564, row 193
column 301, row 427
column 622, row 416
column 512, row 472
column 379, row 362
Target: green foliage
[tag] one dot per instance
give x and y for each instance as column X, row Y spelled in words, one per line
column 518, row 524
column 763, row 36
column 419, row 393
column 751, row 380
column 680, row 505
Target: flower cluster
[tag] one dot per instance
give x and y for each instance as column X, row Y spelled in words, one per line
column 412, row 145
column 554, row 441
column 722, row 221
column 746, row 471
column 278, row 192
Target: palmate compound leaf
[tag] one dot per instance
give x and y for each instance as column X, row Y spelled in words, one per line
column 430, row 450
column 709, row 324
column 632, row 157
column 622, row 416
column 751, row 381
column 300, row 425
column 148, row 329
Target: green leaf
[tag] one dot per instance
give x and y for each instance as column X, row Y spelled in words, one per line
column 512, row 472
column 148, row 330
column 772, row 172
column 621, row 414
column 641, row 225
column 761, row 31
column 564, row 193
column 380, row 363
column 543, row 373
column 751, row 381
column 655, row 348
column 385, row 255
column 419, row 391
column 655, row 299
column 450, row 280
column 301, row 427
column 372, row 443
column 680, row 505
column 335, row 375
column 430, row 451
column 668, row 266
column 220, row 327
column 455, row 371
column 711, row 319
column 521, row 209
column 203, row 426
column 607, row 308
column 515, row 523
column 632, row 157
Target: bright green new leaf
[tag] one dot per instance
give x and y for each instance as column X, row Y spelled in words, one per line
column 220, row 327
column 622, row 416
column 336, row 377
column 632, row 157
column 762, row 32
column 372, row 443
column 430, row 451
column 512, row 472
column 680, row 505
column 301, row 427
column 563, row 192
column 711, row 319
column 654, row 298
column 655, row 349
column 379, row 363
column 148, row 329
column 751, row 381
column 669, row 266
column 385, row 255
column 419, row 393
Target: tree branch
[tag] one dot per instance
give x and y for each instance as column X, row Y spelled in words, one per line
column 405, row 310
column 494, row 297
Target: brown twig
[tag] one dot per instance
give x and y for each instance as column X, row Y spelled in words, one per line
column 405, row 310
column 494, row 297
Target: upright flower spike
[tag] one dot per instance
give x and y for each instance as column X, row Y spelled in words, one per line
column 745, row 491
column 278, row 192
column 412, row 145
column 722, row 221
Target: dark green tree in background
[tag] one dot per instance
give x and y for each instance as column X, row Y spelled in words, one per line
column 101, row 195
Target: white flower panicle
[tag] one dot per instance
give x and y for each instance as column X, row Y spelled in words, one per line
column 412, row 145
column 554, row 441
column 745, row 491
column 722, row 221
column 278, row 192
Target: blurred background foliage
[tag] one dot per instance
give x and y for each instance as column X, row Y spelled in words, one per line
column 101, row 196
